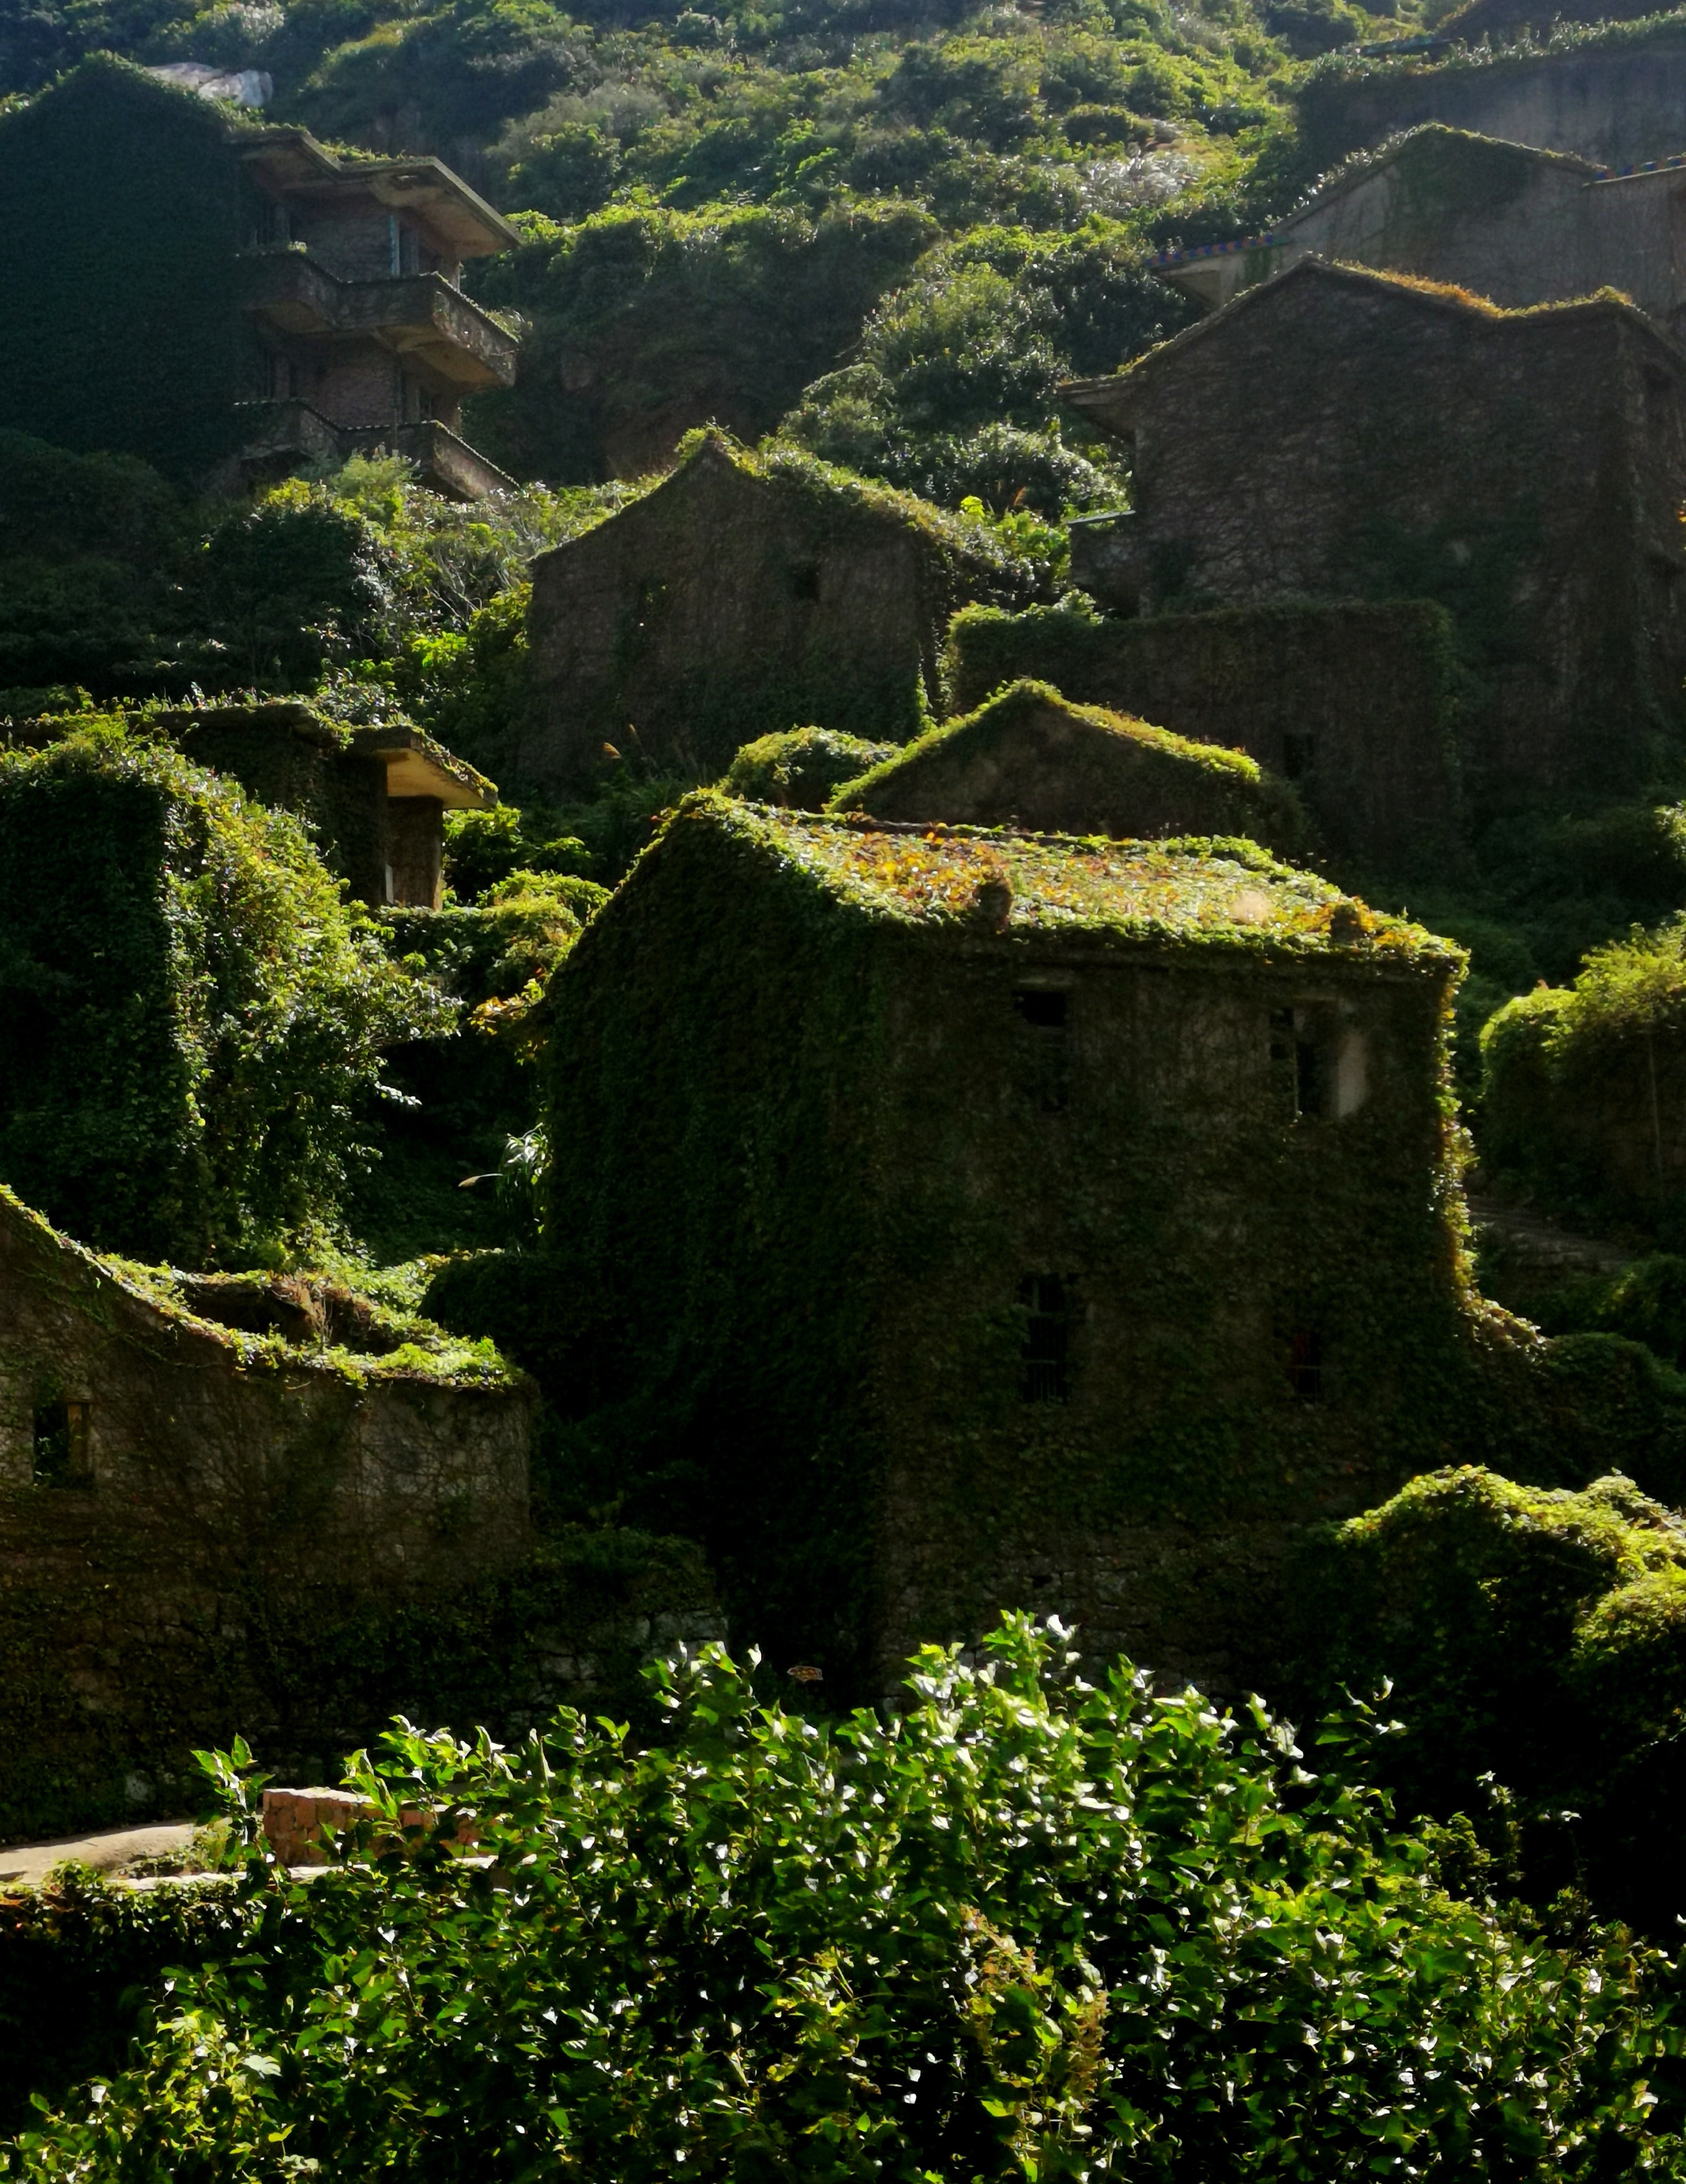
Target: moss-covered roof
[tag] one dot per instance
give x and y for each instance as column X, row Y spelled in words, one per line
column 388, row 1344
column 1031, row 759
column 1198, row 891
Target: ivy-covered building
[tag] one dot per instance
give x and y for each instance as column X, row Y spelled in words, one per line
column 746, row 595
column 376, row 797
column 980, row 1218
column 1511, row 222
column 1028, row 760
column 193, row 1020
column 230, row 300
column 1337, row 433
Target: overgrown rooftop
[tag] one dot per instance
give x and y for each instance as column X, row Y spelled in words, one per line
column 1195, row 892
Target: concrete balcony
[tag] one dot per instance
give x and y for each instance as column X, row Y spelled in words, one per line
column 282, row 435
column 419, row 316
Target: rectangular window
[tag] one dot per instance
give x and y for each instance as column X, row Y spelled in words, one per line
column 1305, row 1365
column 1299, row 755
column 61, row 1445
column 1045, row 1013
column 1046, row 1355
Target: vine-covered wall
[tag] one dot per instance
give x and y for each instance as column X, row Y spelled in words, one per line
column 981, row 1218
column 117, row 262
column 1537, row 497
column 192, row 1018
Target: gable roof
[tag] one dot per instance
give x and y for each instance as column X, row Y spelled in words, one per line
column 1027, row 758
column 1110, row 402
column 712, row 454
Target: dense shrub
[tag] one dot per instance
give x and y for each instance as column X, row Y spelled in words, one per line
column 1026, row 1928
column 1583, row 1087
column 193, row 1017
column 800, row 768
column 1534, row 1634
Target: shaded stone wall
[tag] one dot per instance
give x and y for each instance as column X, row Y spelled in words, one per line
column 1245, row 1290
column 202, row 1531
column 1355, row 702
column 1338, row 433
column 1618, row 105
column 1515, row 226
column 727, row 605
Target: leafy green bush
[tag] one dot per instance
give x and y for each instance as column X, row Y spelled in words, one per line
column 1535, row 1635
column 1025, row 1928
column 78, row 1961
column 194, row 1018
column 1645, row 1302
column 800, row 768
column 1582, row 1086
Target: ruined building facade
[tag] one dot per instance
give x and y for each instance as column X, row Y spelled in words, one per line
column 230, row 300
column 742, row 597
column 1337, row 433
column 1509, row 222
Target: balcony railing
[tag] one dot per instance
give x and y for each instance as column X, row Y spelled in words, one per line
column 419, row 314
column 279, row 435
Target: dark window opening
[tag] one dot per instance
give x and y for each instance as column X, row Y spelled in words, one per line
column 1046, row 1016
column 1046, row 1355
column 1305, row 1365
column 1044, row 1010
column 805, row 580
column 1299, row 755
column 1282, row 1034
column 61, row 1445
column 1311, row 1079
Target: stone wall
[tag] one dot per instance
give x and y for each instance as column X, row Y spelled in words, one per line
column 1354, row 704
column 1516, row 225
column 730, row 604
column 1338, row 433
column 175, row 1493
column 1618, row 104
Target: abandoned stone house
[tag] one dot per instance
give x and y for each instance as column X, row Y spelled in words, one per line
column 1352, row 704
column 1027, row 1220
column 744, row 595
column 230, row 300
column 1027, row 759
column 1512, row 223
column 1618, row 102
column 375, row 797
column 190, row 1470
column 1337, row 433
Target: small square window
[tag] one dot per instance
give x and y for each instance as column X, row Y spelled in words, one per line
column 1046, row 1355
column 805, row 580
column 1044, row 1010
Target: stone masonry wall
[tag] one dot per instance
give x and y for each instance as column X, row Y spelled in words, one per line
column 1618, row 105
column 1337, row 432
column 1355, row 702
